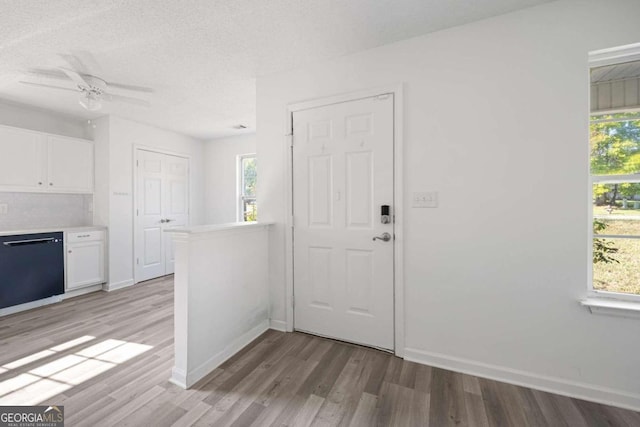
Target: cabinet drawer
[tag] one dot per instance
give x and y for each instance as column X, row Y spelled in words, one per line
column 85, row 236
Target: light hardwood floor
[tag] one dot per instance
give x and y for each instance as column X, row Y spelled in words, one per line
column 107, row 358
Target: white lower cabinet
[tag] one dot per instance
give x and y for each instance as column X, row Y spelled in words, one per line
column 85, row 253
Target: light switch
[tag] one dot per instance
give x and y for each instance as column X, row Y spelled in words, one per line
column 4, row 209
column 425, row 199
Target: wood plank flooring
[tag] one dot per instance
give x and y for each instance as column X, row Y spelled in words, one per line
column 107, row 358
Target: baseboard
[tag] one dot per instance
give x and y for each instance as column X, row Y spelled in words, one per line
column 82, row 291
column 219, row 358
column 118, row 285
column 178, row 377
column 29, row 305
column 50, row 300
column 278, row 325
column 560, row 386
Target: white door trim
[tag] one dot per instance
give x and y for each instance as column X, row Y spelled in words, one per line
column 398, row 125
column 136, row 149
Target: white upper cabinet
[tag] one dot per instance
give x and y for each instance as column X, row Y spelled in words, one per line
column 21, row 160
column 39, row 162
column 69, row 165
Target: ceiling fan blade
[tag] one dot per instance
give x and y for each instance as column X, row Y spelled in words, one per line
column 87, row 62
column 130, row 87
column 49, row 86
column 120, row 98
column 75, row 76
column 74, row 62
column 49, row 74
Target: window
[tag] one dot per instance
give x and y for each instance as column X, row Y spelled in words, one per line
column 614, row 144
column 247, row 178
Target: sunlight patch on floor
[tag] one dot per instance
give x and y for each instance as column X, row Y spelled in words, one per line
column 52, row 378
column 45, row 353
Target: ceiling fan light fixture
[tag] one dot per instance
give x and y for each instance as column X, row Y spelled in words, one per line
column 90, row 101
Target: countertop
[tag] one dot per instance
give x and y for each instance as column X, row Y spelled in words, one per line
column 52, row 230
column 198, row 229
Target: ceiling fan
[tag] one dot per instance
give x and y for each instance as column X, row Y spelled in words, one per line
column 93, row 90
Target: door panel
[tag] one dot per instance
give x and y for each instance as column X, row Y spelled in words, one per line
column 152, row 198
column 320, row 203
column 342, row 174
column 320, row 278
column 359, row 186
column 163, row 202
column 359, row 281
column 152, row 246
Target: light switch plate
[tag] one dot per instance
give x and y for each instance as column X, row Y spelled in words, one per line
column 425, row 199
column 4, row 209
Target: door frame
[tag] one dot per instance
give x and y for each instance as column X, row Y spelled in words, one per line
column 136, row 149
column 398, row 211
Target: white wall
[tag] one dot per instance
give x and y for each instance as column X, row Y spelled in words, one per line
column 100, row 131
column 221, row 301
column 117, row 205
column 221, row 159
column 496, row 121
column 27, row 117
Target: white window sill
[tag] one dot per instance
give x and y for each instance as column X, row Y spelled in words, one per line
column 612, row 307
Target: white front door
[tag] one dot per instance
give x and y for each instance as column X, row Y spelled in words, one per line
column 162, row 202
column 342, row 176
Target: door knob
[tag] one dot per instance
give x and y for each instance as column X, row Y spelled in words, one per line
column 385, row 237
column 162, row 221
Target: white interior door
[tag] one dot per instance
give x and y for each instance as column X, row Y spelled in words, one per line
column 176, row 202
column 342, row 175
column 162, row 202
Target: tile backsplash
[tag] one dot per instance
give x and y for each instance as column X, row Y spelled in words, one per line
column 19, row 211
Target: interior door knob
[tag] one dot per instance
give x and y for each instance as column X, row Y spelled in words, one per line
column 385, row 237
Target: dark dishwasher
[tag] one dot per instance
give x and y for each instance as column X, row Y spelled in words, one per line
column 31, row 267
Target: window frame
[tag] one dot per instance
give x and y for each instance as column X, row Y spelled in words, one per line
column 598, row 59
column 241, row 198
column 607, row 179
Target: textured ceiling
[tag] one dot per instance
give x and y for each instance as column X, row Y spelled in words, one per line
column 202, row 56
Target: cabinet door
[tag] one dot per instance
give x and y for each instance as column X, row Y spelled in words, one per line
column 69, row 165
column 21, row 160
column 85, row 264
